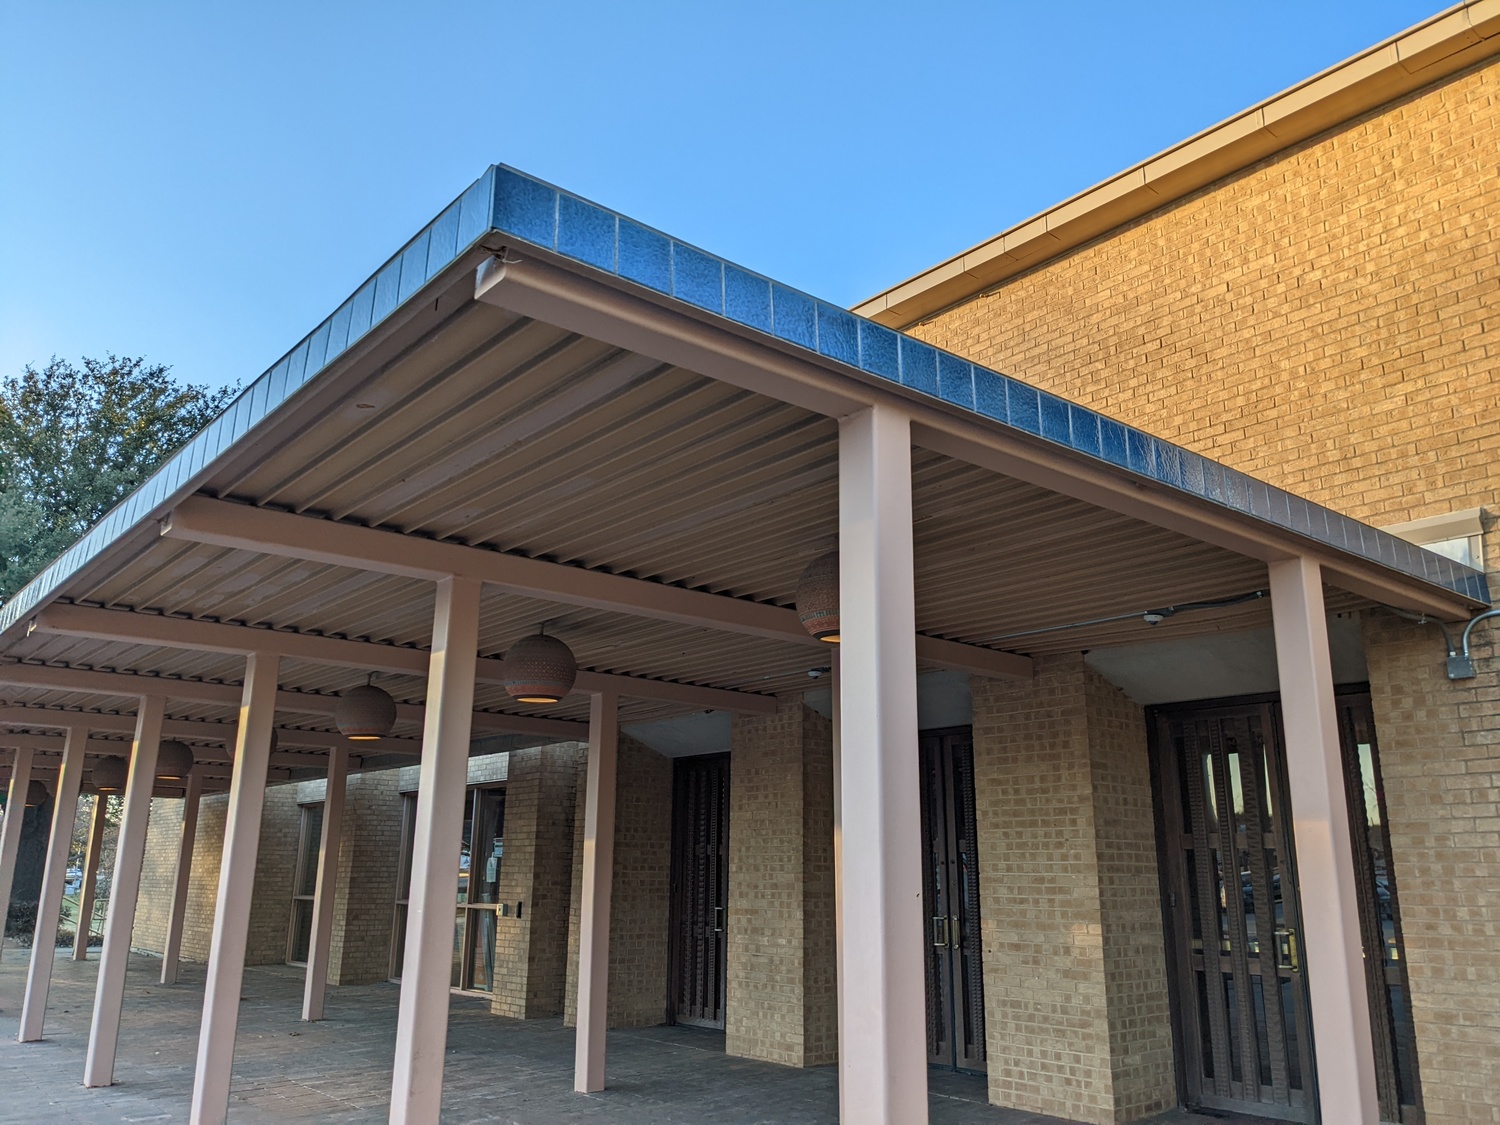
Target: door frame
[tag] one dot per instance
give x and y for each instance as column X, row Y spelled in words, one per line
column 675, row 950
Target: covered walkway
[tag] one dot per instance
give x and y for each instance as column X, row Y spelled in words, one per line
column 339, row 1069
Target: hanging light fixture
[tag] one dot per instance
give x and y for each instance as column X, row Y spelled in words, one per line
column 539, row 669
column 110, row 775
column 818, row 598
column 37, row 793
column 365, row 713
column 174, row 760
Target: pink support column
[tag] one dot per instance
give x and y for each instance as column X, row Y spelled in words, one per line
column 422, row 1021
column 54, row 876
column 1332, row 955
column 226, row 955
column 883, row 1055
column 598, row 876
column 10, row 830
column 838, row 856
column 84, row 930
column 130, row 851
column 315, row 986
column 172, row 954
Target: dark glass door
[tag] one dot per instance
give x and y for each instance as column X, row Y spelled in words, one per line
column 950, row 898
column 1234, row 915
column 700, row 890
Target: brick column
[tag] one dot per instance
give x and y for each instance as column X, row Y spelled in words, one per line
column 1075, row 986
column 782, row 1004
column 1440, row 761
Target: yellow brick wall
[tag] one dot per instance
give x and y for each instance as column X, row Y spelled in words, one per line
column 781, row 973
column 1075, row 989
column 1324, row 320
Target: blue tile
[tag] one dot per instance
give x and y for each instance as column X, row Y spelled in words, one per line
column 1083, row 430
column 442, row 243
column 338, row 331
column 317, row 348
column 414, row 266
column 1192, row 471
column 697, row 278
column 361, row 308
column 955, row 380
column 989, row 394
column 645, row 257
column 1168, row 463
column 1300, row 520
column 525, row 208
column 475, row 209
column 1112, row 445
column 918, row 366
column 586, row 232
column 838, row 334
column 1213, row 482
column 879, row 352
column 1258, row 503
column 794, row 316
column 1139, row 449
column 747, row 298
column 1025, row 411
column 1055, row 419
column 387, row 289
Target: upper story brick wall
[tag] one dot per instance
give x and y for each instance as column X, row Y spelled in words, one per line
column 1327, row 320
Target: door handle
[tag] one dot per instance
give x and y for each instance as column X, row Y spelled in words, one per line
column 940, row 930
column 1287, row 956
column 718, row 919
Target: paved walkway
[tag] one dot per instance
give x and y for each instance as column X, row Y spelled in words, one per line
column 339, row 1070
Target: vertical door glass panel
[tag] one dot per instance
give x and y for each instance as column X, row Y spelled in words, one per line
column 482, row 951
column 460, row 921
column 305, row 884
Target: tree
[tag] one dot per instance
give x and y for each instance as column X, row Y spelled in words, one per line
column 75, row 440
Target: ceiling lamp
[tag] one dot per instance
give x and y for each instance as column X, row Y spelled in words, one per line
column 818, row 598
column 174, row 760
column 365, row 713
column 539, row 669
column 36, row 794
column 110, row 775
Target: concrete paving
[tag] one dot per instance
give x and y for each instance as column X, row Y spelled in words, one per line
column 339, row 1070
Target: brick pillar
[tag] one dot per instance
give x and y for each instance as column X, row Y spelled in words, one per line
column 531, row 966
column 369, row 858
column 782, row 1003
column 1075, row 983
column 639, row 903
column 1440, row 760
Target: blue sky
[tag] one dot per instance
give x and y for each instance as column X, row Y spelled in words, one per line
column 202, row 183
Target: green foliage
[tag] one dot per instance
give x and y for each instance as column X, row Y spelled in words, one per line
column 75, row 440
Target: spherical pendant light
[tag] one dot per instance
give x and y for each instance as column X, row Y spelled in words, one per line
column 36, row 794
column 818, row 598
column 539, row 669
column 174, row 760
column 110, row 775
column 365, row 713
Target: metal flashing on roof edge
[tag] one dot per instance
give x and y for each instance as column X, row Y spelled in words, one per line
column 513, row 205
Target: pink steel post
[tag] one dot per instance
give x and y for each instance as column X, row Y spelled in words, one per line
column 130, row 851
column 172, row 954
column 226, row 956
column 54, row 876
column 598, row 879
column 10, row 831
column 883, row 1056
column 422, row 1021
column 315, row 987
column 1332, row 953
column 85, row 928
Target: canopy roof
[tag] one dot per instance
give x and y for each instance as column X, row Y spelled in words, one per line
column 636, row 442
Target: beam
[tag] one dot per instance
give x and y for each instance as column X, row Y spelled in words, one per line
column 213, row 636
column 598, row 880
column 325, row 887
column 128, row 684
column 10, row 831
column 85, row 927
column 223, row 524
column 172, row 953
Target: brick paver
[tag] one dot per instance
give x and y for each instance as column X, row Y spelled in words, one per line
column 339, row 1070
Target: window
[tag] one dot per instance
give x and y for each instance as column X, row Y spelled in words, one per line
column 1458, row 536
column 305, row 884
column 477, row 892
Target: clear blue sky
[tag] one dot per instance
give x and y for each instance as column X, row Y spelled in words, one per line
column 202, row 183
